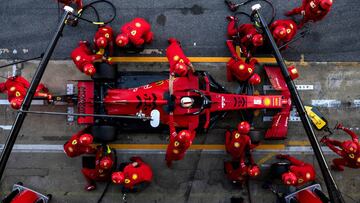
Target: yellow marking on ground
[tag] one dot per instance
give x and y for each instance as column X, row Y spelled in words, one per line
column 266, row 158
column 298, row 143
column 192, row 147
column 156, row 59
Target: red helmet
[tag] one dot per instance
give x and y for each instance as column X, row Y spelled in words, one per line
column 106, row 162
column 243, row 127
column 349, row 146
column 326, row 4
column 122, row 40
column 16, row 102
column 89, row 69
column 279, row 32
column 289, row 178
column 180, row 69
column 293, row 72
column 184, row 135
column 118, row 177
column 257, row 40
column 255, row 79
column 101, row 42
column 86, row 139
column 253, row 171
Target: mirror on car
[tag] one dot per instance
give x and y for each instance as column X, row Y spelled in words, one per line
column 155, row 118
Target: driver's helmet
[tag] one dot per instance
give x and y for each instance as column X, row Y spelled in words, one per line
column 253, row 171
column 257, row 40
column 243, row 127
column 118, row 177
column 86, row 139
column 122, row 40
column 349, row 147
column 289, row 178
column 186, row 102
column 180, row 69
column 326, row 4
column 106, row 162
column 279, row 32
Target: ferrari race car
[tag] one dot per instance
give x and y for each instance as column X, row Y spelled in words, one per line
column 196, row 103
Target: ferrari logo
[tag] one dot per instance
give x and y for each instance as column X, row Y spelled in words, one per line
column 133, row 33
column 236, row 144
column 250, row 70
column 352, row 156
column 300, row 180
column 134, row 176
column 176, row 143
column 107, row 35
column 237, row 135
column 288, row 31
column 127, row 181
column 17, row 94
column 74, row 142
column 181, row 61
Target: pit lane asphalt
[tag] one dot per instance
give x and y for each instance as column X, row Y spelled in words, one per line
column 200, row 25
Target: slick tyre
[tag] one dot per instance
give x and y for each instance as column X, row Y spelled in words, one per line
column 104, row 133
column 105, row 72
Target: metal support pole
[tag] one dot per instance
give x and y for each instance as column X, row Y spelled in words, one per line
column 333, row 191
column 20, row 117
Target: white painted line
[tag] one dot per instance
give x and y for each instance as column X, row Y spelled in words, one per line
column 40, row 148
column 292, row 118
column 329, row 103
column 298, row 87
column 151, row 51
column 6, row 127
column 34, row 102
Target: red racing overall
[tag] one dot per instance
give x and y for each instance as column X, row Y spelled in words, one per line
column 299, row 171
column 349, row 150
column 236, row 67
column 134, row 174
column 103, row 168
column 240, row 175
column 84, row 58
column 283, row 31
column 79, row 143
column 16, row 88
column 179, row 63
column 137, row 32
column 179, row 142
column 312, row 10
column 104, row 40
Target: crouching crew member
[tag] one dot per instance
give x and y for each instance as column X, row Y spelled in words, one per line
column 239, row 172
column 283, row 31
column 136, row 32
column 16, row 88
column 312, row 10
column 349, row 150
column 179, row 63
column 135, row 176
column 104, row 40
column 104, row 160
column 297, row 173
column 84, row 59
column 249, row 37
column 79, row 143
column 239, row 69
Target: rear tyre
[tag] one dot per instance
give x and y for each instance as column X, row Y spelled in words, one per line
column 256, row 136
column 104, row 72
column 104, row 133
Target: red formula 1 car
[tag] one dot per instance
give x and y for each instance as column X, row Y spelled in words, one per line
column 197, row 102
